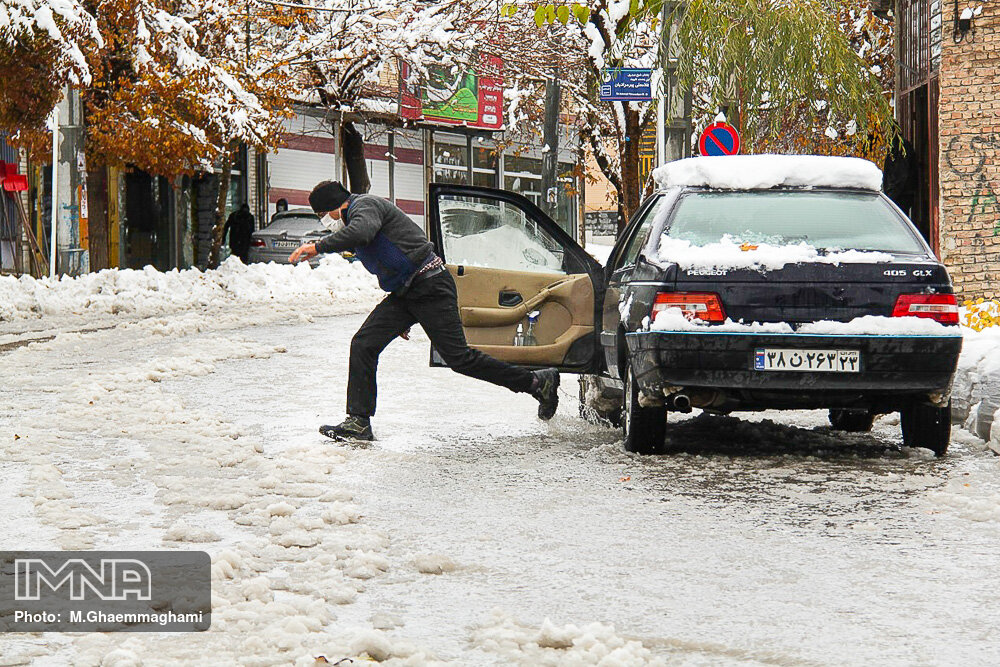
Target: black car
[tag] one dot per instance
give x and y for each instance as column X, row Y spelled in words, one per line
column 834, row 301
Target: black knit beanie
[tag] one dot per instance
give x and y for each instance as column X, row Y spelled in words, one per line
column 327, row 196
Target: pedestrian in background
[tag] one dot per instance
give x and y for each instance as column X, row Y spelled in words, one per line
column 391, row 246
column 239, row 226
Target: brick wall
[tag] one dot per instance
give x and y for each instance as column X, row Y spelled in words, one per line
column 969, row 166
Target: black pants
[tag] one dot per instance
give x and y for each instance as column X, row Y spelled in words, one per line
column 433, row 303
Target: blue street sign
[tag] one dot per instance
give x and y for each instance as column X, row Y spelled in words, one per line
column 626, row 85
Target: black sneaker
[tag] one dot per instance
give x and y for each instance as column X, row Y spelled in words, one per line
column 547, row 392
column 352, row 428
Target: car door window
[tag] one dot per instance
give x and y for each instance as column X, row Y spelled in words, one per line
column 635, row 245
column 487, row 232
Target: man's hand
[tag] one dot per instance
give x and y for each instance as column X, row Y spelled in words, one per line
column 305, row 251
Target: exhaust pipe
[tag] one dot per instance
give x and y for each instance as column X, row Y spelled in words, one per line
column 680, row 403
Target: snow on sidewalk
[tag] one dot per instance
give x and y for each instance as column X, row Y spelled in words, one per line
column 256, row 293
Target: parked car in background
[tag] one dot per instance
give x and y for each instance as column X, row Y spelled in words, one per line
column 286, row 232
column 743, row 283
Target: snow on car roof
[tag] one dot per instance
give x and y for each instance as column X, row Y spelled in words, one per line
column 762, row 172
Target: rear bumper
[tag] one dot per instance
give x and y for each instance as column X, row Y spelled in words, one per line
column 276, row 256
column 891, row 367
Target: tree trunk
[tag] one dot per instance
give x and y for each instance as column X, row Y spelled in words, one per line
column 630, row 193
column 220, row 208
column 354, row 159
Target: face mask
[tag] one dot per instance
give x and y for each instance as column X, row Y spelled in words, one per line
column 331, row 224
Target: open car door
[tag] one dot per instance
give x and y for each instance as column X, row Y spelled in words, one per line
column 509, row 259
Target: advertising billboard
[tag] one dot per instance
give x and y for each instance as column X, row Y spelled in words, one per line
column 455, row 95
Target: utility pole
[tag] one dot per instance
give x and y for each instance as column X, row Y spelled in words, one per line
column 550, row 155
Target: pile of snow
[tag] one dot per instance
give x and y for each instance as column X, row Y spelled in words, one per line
column 976, row 390
column 136, row 294
column 600, row 252
column 730, row 253
column 763, row 172
column 672, row 319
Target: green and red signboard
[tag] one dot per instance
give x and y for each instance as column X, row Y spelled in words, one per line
column 455, row 96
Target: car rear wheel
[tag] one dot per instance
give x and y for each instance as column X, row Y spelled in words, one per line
column 926, row 425
column 852, row 421
column 645, row 428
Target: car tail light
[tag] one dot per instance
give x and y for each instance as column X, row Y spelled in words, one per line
column 258, row 243
column 940, row 307
column 695, row 305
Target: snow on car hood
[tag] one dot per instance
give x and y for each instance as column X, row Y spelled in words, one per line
column 763, row 172
column 672, row 319
column 729, row 253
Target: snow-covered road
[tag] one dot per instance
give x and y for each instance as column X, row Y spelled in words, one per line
column 471, row 533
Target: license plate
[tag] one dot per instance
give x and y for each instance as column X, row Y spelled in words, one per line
column 822, row 361
column 284, row 245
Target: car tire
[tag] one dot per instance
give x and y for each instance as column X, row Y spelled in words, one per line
column 925, row 425
column 851, row 421
column 601, row 412
column 645, row 428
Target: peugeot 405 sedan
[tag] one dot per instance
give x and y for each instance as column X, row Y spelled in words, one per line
column 286, row 232
column 744, row 283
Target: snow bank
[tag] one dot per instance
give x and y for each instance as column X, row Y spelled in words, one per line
column 136, row 294
column 672, row 319
column 730, row 253
column 976, row 390
column 600, row 252
column 762, row 172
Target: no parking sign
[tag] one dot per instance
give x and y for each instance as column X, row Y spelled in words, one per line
column 719, row 139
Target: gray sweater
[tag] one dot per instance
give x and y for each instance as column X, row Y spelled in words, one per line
column 366, row 216
column 387, row 242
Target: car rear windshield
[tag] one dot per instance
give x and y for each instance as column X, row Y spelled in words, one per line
column 295, row 225
column 822, row 219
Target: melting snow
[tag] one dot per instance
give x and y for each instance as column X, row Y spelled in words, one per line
column 672, row 319
column 728, row 253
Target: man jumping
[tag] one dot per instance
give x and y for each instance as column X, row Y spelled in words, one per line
column 392, row 246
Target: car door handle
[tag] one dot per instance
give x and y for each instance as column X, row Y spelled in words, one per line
column 495, row 317
column 510, row 298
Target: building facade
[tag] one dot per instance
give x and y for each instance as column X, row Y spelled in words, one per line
column 403, row 160
column 948, row 107
column 130, row 219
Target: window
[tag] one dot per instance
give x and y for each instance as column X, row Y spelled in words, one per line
column 485, row 179
column 484, row 157
column 480, row 231
column 824, row 220
column 638, row 240
column 484, row 166
column 451, row 161
column 526, row 186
